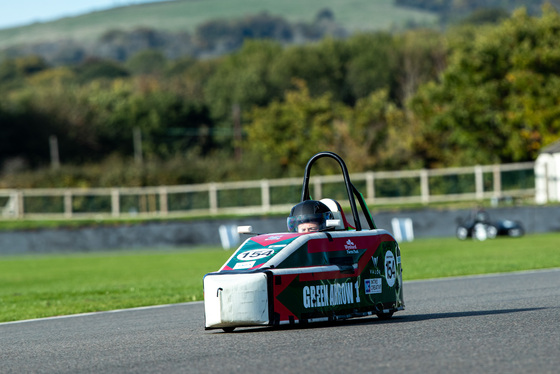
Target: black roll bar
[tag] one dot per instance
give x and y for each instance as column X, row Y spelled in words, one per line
column 350, row 189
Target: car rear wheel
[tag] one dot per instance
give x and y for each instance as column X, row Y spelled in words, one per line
column 491, row 232
column 515, row 232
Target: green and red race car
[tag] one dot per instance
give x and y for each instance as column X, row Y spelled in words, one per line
column 336, row 271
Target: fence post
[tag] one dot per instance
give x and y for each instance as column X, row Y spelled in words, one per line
column 317, row 188
column 265, row 195
column 115, row 202
column 17, row 199
column 20, row 209
column 68, row 203
column 163, row 208
column 12, row 206
column 424, row 186
column 213, row 196
column 370, row 187
column 497, row 181
column 479, row 182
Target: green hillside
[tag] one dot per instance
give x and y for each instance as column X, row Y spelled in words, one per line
column 188, row 14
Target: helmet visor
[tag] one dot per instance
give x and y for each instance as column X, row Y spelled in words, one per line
column 319, row 219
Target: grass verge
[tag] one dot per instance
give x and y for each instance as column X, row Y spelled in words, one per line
column 447, row 257
column 50, row 285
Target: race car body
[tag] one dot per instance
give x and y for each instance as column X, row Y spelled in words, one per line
column 292, row 278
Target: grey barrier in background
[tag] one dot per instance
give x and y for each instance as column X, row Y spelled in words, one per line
column 183, row 234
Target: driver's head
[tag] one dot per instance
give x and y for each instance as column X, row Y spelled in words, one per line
column 309, row 216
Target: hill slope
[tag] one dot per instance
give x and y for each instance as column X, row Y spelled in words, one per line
column 186, row 15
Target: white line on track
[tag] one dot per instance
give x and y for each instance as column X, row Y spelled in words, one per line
column 103, row 312
column 484, row 275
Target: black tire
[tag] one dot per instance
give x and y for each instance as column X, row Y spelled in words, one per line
column 228, row 329
column 384, row 316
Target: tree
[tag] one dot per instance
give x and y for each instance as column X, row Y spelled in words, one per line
column 323, row 66
column 223, row 36
column 287, row 133
column 148, row 61
column 93, row 69
column 372, row 64
column 497, row 99
column 24, row 132
column 486, row 15
column 421, row 57
column 14, row 71
column 241, row 79
column 169, row 123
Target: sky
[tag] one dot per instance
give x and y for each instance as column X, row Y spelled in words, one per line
column 24, row 12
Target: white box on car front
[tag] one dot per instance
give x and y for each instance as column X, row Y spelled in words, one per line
column 235, row 300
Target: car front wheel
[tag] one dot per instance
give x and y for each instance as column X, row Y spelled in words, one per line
column 462, row 233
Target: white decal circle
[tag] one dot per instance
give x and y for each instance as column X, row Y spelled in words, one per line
column 390, row 268
column 255, row 254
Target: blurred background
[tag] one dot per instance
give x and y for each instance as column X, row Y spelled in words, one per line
column 163, row 93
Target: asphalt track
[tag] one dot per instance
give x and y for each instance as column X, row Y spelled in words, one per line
column 498, row 323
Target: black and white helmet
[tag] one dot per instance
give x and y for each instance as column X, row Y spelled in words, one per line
column 309, row 211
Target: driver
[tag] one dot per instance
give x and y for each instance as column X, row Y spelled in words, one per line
column 309, row 216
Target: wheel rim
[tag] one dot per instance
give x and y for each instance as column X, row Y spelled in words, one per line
column 462, row 233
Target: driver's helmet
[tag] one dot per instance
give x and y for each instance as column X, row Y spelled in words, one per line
column 309, row 211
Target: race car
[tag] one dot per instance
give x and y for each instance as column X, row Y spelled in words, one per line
column 479, row 226
column 327, row 273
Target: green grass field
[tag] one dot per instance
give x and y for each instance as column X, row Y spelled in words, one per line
column 51, row 285
column 186, row 15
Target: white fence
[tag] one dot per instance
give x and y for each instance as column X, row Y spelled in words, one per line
column 270, row 196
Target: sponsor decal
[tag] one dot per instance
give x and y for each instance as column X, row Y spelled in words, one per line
column 255, row 254
column 266, row 240
column 376, row 270
column 390, row 268
column 350, row 245
column 244, row 265
column 342, row 244
column 351, row 248
column 373, row 286
column 273, row 238
column 324, row 295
